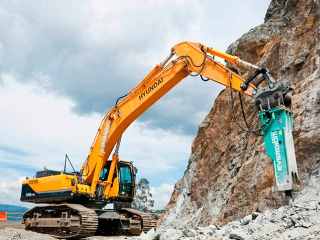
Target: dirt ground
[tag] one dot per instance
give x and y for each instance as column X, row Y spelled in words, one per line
column 11, row 225
column 15, row 231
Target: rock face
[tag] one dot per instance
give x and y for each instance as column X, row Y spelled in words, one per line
column 227, row 176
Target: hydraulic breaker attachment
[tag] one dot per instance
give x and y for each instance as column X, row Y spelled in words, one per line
column 276, row 125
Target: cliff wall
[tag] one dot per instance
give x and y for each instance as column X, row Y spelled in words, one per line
column 227, row 176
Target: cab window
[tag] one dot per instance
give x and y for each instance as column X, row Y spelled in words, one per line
column 104, row 173
column 125, row 174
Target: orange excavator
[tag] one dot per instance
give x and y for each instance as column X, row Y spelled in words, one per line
column 75, row 201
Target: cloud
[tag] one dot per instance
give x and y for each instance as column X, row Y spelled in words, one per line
column 42, row 124
column 13, row 151
column 38, row 127
column 63, row 64
column 10, row 187
column 162, row 194
column 159, row 154
column 95, row 51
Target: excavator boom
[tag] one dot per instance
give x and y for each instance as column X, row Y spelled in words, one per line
column 189, row 58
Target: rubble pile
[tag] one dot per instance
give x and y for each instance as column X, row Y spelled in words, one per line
column 298, row 220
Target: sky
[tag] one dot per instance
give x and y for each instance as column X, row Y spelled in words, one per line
column 64, row 63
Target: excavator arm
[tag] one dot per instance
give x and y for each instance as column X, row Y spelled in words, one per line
column 186, row 58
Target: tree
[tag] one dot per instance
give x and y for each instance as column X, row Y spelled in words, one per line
column 143, row 198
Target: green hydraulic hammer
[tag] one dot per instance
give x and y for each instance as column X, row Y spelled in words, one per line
column 278, row 142
column 276, row 120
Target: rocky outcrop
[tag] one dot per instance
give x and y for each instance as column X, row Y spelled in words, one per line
column 227, row 176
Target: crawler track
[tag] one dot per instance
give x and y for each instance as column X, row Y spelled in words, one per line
column 76, row 221
column 147, row 220
column 62, row 221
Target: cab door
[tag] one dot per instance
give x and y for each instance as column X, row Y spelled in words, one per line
column 127, row 181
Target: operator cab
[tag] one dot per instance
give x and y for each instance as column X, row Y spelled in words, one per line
column 126, row 174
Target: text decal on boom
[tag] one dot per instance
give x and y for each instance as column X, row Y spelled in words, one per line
column 150, row 89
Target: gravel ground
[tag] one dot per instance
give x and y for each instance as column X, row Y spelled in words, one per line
column 10, row 225
column 13, row 233
column 10, row 233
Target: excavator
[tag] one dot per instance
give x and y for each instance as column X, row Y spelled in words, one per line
column 73, row 204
